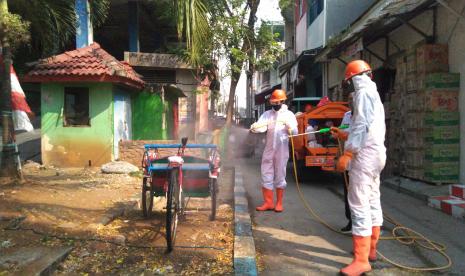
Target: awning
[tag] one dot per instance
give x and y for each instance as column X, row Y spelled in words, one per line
column 173, row 91
column 293, row 66
column 261, row 97
column 381, row 18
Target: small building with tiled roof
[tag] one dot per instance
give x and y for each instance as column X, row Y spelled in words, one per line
column 86, row 99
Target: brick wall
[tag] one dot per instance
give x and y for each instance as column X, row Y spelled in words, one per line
column 132, row 150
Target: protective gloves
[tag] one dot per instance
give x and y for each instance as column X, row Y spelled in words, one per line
column 258, row 128
column 343, row 161
column 339, row 134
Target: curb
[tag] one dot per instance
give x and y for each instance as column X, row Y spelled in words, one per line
column 244, row 245
column 397, row 185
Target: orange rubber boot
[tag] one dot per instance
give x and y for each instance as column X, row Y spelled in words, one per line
column 375, row 230
column 268, row 200
column 279, row 200
column 360, row 264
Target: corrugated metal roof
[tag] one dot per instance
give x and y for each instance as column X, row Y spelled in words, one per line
column 383, row 13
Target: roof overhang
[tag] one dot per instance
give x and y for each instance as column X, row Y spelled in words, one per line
column 83, row 78
column 261, row 97
column 307, row 55
column 382, row 18
column 174, row 91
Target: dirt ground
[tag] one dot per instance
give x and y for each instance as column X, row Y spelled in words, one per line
column 98, row 216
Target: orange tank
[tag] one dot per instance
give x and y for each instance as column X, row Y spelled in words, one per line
column 321, row 155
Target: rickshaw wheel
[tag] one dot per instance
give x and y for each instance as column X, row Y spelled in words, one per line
column 173, row 208
column 147, row 199
column 213, row 194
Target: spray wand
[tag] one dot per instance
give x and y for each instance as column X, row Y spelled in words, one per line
column 323, row 130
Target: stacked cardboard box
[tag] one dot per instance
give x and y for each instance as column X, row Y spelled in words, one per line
column 431, row 123
column 442, row 137
column 395, row 129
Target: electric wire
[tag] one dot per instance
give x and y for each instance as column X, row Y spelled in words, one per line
column 400, row 233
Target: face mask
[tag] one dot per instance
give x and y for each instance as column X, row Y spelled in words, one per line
column 277, row 107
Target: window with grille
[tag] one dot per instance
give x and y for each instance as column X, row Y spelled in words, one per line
column 151, row 76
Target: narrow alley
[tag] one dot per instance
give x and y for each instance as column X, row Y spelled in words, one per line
column 294, row 243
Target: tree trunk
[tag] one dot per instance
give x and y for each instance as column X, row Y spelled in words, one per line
column 8, row 162
column 232, row 95
column 247, row 47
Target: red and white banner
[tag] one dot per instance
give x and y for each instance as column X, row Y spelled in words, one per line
column 19, row 105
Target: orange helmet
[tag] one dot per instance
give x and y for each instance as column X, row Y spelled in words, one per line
column 278, row 95
column 356, row 67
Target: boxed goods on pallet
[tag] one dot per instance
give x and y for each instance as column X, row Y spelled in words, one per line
column 442, row 135
column 401, row 70
column 431, row 58
column 438, row 81
column 414, row 120
column 415, row 139
column 441, row 100
column 411, row 61
column 442, row 172
column 442, row 153
column 410, row 102
column 442, row 118
column 414, row 172
column 411, row 83
column 414, row 157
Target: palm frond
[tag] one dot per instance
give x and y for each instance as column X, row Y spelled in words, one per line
column 192, row 23
column 53, row 22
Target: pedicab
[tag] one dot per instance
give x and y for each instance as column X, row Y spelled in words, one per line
column 178, row 177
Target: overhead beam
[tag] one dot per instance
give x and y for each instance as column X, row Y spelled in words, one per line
column 413, row 27
column 375, row 55
column 341, row 60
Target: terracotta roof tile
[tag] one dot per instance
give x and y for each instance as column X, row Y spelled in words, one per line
column 90, row 63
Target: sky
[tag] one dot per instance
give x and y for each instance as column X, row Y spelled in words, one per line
column 268, row 10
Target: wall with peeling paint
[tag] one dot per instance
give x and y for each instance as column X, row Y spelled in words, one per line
column 76, row 146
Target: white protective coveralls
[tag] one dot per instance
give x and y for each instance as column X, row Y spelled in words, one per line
column 366, row 142
column 276, row 152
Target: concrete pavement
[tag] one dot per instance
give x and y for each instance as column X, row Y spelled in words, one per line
column 294, row 243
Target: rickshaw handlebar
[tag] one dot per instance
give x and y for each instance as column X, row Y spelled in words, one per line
column 175, row 146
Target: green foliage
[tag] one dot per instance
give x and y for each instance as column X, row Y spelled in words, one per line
column 192, row 23
column 14, row 29
column 268, row 47
column 285, row 4
column 53, row 22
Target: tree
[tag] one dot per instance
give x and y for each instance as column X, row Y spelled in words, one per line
column 233, row 35
column 47, row 25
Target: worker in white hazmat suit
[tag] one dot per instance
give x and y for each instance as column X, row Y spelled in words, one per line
column 277, row 122
column 364, row 157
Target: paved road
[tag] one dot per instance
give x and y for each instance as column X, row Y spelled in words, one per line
column 294, row 243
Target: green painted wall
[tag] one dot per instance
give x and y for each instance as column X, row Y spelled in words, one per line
column 147, row 111
column 75, row 146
